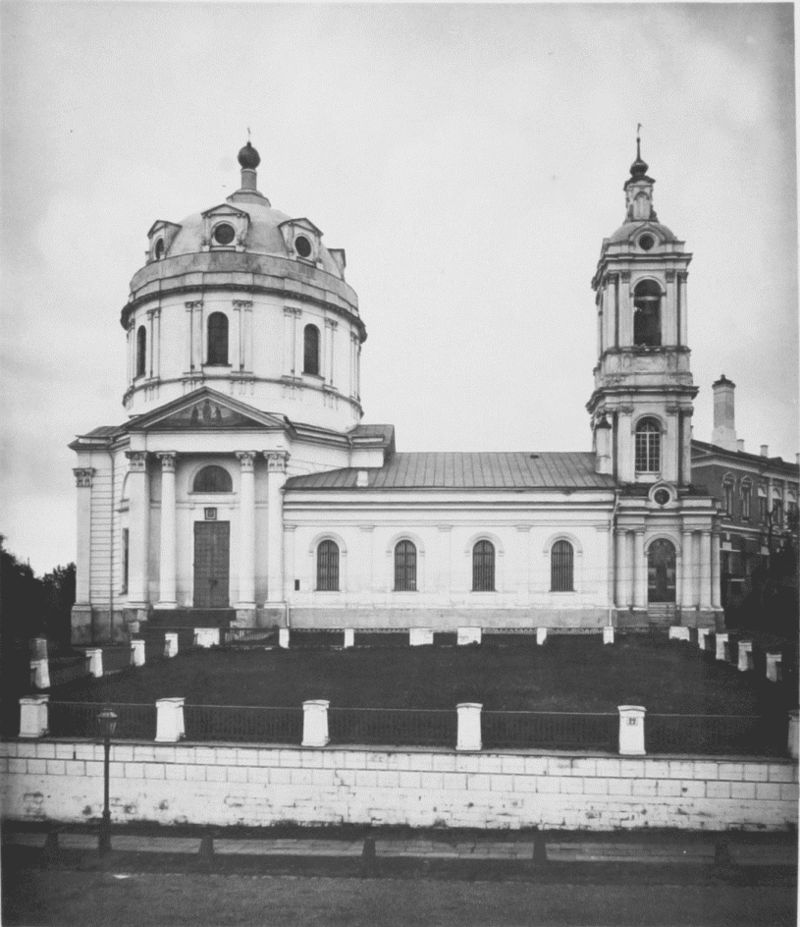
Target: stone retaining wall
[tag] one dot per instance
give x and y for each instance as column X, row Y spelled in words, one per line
column 226, row 785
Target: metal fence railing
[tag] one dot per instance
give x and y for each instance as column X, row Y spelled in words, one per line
column 243, row 723
column 554, row 730
column 717, row 734
column 79, row 719
column 393, row 726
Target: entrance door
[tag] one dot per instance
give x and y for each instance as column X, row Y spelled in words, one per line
column 211, row 563
column 661, row 571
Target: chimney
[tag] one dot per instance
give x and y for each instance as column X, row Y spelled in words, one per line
column 740, row 445
column 765, row 450
column 724, row 433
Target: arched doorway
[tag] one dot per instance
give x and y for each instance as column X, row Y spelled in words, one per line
column 661, row 571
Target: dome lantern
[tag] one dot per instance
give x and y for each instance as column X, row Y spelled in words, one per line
column 249, row 159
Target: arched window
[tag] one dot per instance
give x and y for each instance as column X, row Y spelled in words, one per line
column 141, row 351
column 328, row 567
column 562, row 559
column 661, row 571
column 647, row 314
column 217, row 339
column 213, row 479
column 747, row 494
column 648, row 446
column 727, row 490
column 405, row 567
column 311, row 349
column 483, row 567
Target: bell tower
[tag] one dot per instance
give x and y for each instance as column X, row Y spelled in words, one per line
column 641, row 406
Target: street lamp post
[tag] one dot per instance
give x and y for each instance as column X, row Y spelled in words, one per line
column 107, row 721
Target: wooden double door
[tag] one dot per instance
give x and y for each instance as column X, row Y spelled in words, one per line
column 212, row 555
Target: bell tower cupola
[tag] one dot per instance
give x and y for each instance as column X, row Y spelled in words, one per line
column 641, row 406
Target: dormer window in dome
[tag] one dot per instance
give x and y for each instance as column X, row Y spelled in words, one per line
column 646, row 241
column 225, row 228
column 160, row 238
column 302, row 238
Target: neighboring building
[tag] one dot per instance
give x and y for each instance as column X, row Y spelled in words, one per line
column 245, row 480
column 758, row 500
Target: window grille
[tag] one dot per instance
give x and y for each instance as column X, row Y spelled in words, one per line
column 328, row 567
column 213, row 479
column 217, row 339
column 483, row 567
column 562, row 559
column 311, row 349
column 405, row 567
column 648, row 447
column 141, row 351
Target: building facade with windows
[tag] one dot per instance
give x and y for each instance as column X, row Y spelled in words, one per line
column 758, row 498
column 245, row 480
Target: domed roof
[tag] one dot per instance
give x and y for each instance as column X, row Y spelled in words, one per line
column 629, row 229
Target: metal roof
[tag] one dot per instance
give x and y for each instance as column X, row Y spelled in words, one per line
column 452, row 470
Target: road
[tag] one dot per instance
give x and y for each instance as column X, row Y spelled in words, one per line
column 151, row 899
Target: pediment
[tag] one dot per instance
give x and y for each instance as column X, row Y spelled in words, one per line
column 303, row 223
column 160, row 224
column 224, row 209
column 207, row 410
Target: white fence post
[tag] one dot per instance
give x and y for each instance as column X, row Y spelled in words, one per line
column 745, row 656
column 283, row 638
column 794, row 734
column 137, row 652
column 608, row 634
column 206, row 637
column 169, row 720
column 631, row 730
column 541, row 636
column 40, row 674
column 94, row 662
column 170, row 644
column 468, row 636
column 702, row 638
column 33, row 721
column 349, row 637
column 774, row 666
column 315, row 723
column 721, row 644
column 469, row 726
column 679, row 633
column 419, row 637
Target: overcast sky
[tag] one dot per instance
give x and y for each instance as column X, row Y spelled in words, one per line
column 469, row 158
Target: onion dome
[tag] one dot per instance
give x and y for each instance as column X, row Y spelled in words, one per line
column 249, row 158
column 639, row 166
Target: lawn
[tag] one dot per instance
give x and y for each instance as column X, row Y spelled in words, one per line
column 573, row 673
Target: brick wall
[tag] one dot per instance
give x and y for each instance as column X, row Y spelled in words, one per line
column 225, row 785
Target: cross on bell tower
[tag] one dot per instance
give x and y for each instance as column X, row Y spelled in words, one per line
column 641, row 406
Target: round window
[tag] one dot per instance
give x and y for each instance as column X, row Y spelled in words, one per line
column 302, row 246
column 661, row 496
column 646, row 242
column 223, row 234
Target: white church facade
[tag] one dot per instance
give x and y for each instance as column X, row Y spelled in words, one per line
column 245, row 482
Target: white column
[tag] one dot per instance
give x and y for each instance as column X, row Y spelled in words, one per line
column 276, row 477
column 625, row 310
column 682, row 308
column 631, row 730
column 315, row 723
column 169, row 720
column 167, row 594
column 244, row 313
column 705, row 569
column 716, row 592
column 83, row 480
column 639, row 570
column 625, row 462
column 33, row 720
column 290, row 322
column 137, row 652
column 623, row 570
column 189, row 336
column 469, row 726
column 330, row 355
column 444, row 561
column 687, row 569
column 247, row 530
column 139, row 527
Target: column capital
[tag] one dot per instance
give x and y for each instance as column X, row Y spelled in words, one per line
column 625, row 276
column 246, row 459
column 83, row 477
column 194, row 304
column 167, row 459
column 683, row 275
column 290, row 310
column 276, row 461
column 685, row 531
column 137, row 461
column 639, row 531
column 669, row 276
column 331, row 323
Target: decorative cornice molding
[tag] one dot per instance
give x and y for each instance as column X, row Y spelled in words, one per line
column 276, row 461
column 137, row 461
column 83, row 477
column 246, row 460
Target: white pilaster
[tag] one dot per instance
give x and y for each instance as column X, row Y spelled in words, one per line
column 687, row 570
column 167, row 593
column 247, row 529
column 139, row 522
column 639, row 569
column 276, row 477
column 83, row 481
column 622, row 574
column 705, row 569
column 716, row 591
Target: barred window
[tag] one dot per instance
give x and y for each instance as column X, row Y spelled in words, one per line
column 141, row 351
column 562, row 559
column 648, row 446
column 311, row 349
column 747, row 492
column 483, row 567
column 405, row 567
column 213, row 479
column 328, row 567
column 217, row 339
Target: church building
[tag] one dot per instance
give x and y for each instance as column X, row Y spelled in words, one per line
column 245, row 481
